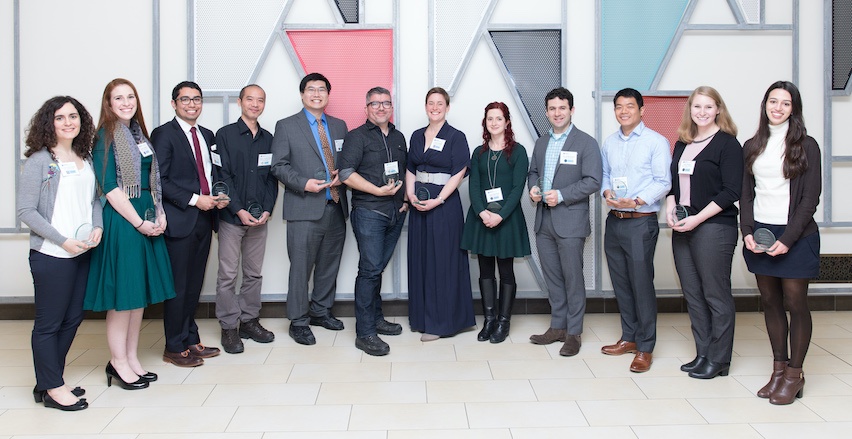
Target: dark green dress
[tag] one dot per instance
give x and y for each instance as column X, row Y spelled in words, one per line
column 129, row 270
column 510, row 238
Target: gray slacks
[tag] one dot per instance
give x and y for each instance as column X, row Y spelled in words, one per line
column 562, row 267
column 250, row 243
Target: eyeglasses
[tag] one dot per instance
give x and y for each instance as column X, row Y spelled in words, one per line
column 185, row 100
column 319, row 90
column 375, row 104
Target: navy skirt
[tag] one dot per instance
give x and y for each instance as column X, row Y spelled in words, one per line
column 800, row 262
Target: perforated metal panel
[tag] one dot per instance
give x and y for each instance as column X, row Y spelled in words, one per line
column 349, row 10
column 841, row 43
column 455, row 27
column 533, row 59
column 750, row 10
column 229, row 40
column 663, row 114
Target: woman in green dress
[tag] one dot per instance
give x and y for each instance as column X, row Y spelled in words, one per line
column 130, row 269
column 495, row 228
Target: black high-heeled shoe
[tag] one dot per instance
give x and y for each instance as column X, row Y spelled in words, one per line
column 697, row 363
column 149, row 376
column 112, row 373
column 710, row 370
column 38, row 395
column 51, row 403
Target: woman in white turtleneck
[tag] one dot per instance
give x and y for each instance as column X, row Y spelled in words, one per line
column 781, row 187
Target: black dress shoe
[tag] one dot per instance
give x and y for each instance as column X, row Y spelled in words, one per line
column 710, row 370
column 253, row 330
column 149, row 377
column 38, row 395
column 328, row 322
column 372, row 345
column 111, row 374
column 79, row 405
column 302, row 335
column 385, row 327
column 698, row 362
column 231, row 342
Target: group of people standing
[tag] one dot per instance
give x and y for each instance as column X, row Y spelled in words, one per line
column 97, row 201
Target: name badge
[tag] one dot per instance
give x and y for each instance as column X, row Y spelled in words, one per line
column 213, row 147
column 144, row 149
column 568, row 158
column 391, row 168
column 338, row 145
column 216, row 159
column 264, row 159
column 686, row 167
column 69, row 169
column 437, row 144
column 492, row 195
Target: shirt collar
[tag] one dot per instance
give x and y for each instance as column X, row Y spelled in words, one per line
column 311, row 118
column 636, row 131
column 184, row 125
column 371, row 126
column 562, row 136
column 243, row 128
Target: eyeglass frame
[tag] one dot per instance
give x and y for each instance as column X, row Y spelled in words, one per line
column 375, row 104
column 185, row 100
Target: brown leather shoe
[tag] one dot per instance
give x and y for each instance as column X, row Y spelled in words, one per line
column 201, row 351
column 182, row 359
column 571, row 346
column 641, row 362
column 621, row 347
column 550, row 336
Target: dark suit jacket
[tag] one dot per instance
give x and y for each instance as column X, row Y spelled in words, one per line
column 295, row 158
column 576, row 182
column 179, row 176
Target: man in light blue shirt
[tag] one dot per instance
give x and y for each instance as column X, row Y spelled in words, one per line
column 636, row 179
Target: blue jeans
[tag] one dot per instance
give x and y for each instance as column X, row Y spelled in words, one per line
column 377, row 236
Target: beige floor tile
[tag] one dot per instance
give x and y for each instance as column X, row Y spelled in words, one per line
column 846, row 378
column 830, row 408
column 76, row 436
column 408, row 392
column 230, row 395
column 751, row 318
column 573, row 433
column 751, row 366
column 750, row 332
column 672, row 319
column 752, row 348
column 733, row 431
column 170, row 420
column 821, row 430
column 292, row 418
column 88, row 341
column 251, row 355
column 424, row 352
column 749, row 410
column 834, row 346
column 674, row 348
column 239, row 374
column 524, row 414
column 156, row 395
column 480, row 391
column 24, row 376
column 340, row 373
column 540, row 369
column 830, row 331
column 484, row 433
column 586, row 389
column 92, row 326
column 17, row 357
column 640, row 412
column 408, row 417
column 314, row 355
column 502, row 351
column 44, row 421
column 452, row 371
column 605, row 366
column 20, row 340
column 820, row 364
column 200, row 436
column 686, row 387
column 327, row 435
column 9, row 327
column 17, row 397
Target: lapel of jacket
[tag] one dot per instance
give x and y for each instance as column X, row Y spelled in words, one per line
column 305, row 127
column 569, row 140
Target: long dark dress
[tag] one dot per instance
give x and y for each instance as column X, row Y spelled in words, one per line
column 510, row 238
column 439, row 293
column 129, row 270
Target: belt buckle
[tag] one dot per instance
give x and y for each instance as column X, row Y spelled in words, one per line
column 620, row 215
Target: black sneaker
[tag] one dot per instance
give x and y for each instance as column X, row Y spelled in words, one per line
column 231, row 341
column 385, row 327
column 302, row 335
column 372, row 345
column 252, row 329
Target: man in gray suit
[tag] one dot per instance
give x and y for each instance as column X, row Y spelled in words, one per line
column 304, row 148
column 564, row 171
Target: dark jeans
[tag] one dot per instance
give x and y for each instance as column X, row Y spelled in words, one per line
column 377, row 236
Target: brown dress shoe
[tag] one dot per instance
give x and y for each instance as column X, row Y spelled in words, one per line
column 641, row 362
column 182, row 359
column 201, row 351
column 621, row 347
column 774, row 380
column 550, row 336
column 571, row 346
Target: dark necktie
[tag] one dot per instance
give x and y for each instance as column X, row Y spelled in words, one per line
column 199, row 163
column 329, row 159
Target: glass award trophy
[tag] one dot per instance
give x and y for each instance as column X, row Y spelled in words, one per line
column 763, row 239
column 83, row 233
column 322, row 176
column 150, row 215
column 493, row 207
column 540, row 184
column 423, row 195
column 255, row 209
column 220, row 190
column 619, row 191
column 391, row 178
column 680, row 212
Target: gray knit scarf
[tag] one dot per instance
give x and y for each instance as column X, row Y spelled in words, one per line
column 128, row 163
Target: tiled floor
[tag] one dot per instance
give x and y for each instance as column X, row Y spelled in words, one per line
column 451, row 388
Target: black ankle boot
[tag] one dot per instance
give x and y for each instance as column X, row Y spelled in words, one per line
column 488, row 291
column 507, row 300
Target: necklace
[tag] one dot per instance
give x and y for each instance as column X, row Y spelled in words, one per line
column 496, row 158
column 706, row 138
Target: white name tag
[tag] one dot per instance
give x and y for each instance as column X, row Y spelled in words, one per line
column 144, row 149
column 568, row 158
column 492, row 195
column 213, row 147
column 338, row 145
column 216, row 159
column 68, row 169
column 437, row 144
column 391, row 168
column 264, row 159
column 686, row 167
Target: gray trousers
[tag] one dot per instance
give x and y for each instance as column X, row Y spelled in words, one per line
column 250, row 243
column 314, row 247
column 703, row 260
column 562, row 267
column 629, row 245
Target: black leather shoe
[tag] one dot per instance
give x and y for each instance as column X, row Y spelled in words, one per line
column 253, row 330
column 302, row 335
column 38, row 395
column 697, row 363
column 79, row 405
column 231, row 342
column 328, row 322
column 111, row 374
column 710, row 370
column 385, row 327
column 149, row 377
column 372, row 345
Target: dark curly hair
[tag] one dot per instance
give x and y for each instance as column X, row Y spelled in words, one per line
column 41, row 132
column 508, row 135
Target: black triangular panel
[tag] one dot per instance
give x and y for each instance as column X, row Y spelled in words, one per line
column 349, row 10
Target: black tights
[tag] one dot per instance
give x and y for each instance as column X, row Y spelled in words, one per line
column 486, row 269
column 774, row 294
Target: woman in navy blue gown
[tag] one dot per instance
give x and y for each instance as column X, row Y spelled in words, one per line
column 439, row 293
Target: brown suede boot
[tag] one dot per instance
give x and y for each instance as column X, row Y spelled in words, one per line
column 777, row 372
column 791, row 386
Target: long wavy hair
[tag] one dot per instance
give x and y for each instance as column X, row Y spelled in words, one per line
column 795, row 160
column 108, row 118
column 687, row 130
column 508, row 135
column 41, row 132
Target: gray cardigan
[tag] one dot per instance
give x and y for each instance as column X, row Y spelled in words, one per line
column 37, row 196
